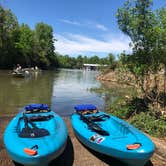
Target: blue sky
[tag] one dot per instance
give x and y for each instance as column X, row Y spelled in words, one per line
column 86, row 27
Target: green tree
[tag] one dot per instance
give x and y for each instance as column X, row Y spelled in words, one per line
column 8, row 37
column 94, row 59
column 80, row 61
column 147, row 31
column 137, row 20
column 45, row 44
column 25, row 45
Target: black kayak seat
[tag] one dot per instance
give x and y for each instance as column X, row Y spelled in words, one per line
column 40, row 118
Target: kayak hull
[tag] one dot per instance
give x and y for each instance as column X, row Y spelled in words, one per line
column 35, row 161
column 120, row 135
column 47, row 147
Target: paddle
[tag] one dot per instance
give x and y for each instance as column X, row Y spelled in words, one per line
column 98, row 118
column 34, row 132
column 93, row 126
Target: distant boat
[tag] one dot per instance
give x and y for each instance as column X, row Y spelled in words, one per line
column 111, row 136
column 20, row 74
column 35, row 136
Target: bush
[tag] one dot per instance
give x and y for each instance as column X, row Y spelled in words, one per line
column 133, row 109
column 138, row 114
column 150, row 124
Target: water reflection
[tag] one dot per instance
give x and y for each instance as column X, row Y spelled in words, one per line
column 17, row 92
column 71, row 87
column 61, row 89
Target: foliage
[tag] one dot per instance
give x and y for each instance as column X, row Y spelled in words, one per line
column 136, row 20
column 147, row 30
column 123, row 103
column 45, row 41
column 8, row 37
column 149, row 123
column 20, row 44
column 138, row 113
column 77, row 62
column 25, row 44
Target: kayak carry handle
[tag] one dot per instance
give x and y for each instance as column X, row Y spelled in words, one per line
column 133, row 146
column 30, row 152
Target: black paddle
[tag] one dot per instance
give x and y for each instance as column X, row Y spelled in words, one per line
column 98, row 118
column 93, row 126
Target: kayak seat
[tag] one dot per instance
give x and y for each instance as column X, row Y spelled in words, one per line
column 86, row 109
column 33, row 108
column 40, row 118
column 36, row 111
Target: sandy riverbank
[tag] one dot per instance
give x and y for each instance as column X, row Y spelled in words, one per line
column 76, row 154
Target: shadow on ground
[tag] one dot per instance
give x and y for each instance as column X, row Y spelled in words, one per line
column 66, row 158
column 110, row 160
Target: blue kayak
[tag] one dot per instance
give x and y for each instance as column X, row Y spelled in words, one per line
column 35, row 136
column 111, row 136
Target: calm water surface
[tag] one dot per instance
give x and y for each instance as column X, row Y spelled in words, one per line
column 61, row 89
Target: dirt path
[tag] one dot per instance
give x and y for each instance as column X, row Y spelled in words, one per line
column 76, row 154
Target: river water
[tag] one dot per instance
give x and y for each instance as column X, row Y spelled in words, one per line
column 61, row 90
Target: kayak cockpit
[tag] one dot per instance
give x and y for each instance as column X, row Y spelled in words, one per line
column 105, row 124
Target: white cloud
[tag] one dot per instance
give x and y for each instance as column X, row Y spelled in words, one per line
column 85, row 24
column 74, row 44
column 101, row 27
column 71, row 22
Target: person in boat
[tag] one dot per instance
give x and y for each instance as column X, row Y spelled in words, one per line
column 36, row 68
column 18, row 69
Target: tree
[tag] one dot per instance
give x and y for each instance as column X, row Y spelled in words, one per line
column 8, row 37
column 79, row 61
column 111, row 58
column 25, row 45
column 147, row 32
column 94, row 59
column 137, row 21
column 20, row 44
column 161, row 27
column 45, row 40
